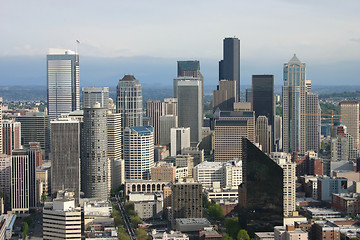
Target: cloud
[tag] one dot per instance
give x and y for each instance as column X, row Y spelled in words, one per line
column 355, row 40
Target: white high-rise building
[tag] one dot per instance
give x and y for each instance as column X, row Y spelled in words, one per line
column 61, row 220
column 289, row 181
column 138, row 152
column 20, row 181
column 179, row 139
column 166, row 123
column 227, row 174
column 351, row 121
column 63, row 82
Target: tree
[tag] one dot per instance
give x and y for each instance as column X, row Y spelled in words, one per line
column 232, row 227
column 122, row 234
column 25, row 229
column 43, row 197
column 226, row 237
column 243, row 235
column 141, row 234
column 216, row 211
column 135, row 220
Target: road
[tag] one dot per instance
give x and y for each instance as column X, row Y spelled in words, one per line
column 128, row 225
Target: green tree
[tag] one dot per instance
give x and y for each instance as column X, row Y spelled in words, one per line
column 135, row 220
column 226, row 236
column 43, row 197
column 25, row 229
column 243, row 235
column 232, row 227
column 216, row 211
column 122, row 234
column 141, row 234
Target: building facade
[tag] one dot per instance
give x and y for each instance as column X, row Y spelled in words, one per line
column 129, row 101
column 351, row 121
column 11, row 136
column 20, row 181
column 63, row 82
column 95, row 94
column 179, row 139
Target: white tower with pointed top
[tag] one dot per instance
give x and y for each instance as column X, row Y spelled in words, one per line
column 294, row 106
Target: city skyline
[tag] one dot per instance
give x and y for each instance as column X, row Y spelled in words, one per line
column 328, row 36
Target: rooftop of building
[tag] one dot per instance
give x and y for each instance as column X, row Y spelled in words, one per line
column 326, row 224
column 57, row 51
column 348, row 102
column 175, row 234
column 294, row 59
column 9, row 220
column 190, row 221
column 128, row 78
column 321, row 211
column 142, row 129
column 348, row 196
column 191, row 65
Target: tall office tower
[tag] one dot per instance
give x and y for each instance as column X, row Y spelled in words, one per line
column 260, row 197
column 190, row 69
column 248, row 95
column 20, row 201
column 289, row 182
column 117, row 173
column 5, row 179
column 229, row 67
column 35, row 127
column 129, row 101
column 1, row 146
column 308, row 86
column 154, row 110
column 186, row 200
column 95, row 94
column 230, row 128
column 278, row 133
column 225, row 95
column 190, row 106
column 313, row 122
column 114, row 135
column 35, row 147
column 263, row 101
column 33, row 200
column 65, row 152
column 63, row 82
column 166, row 123
column 170, row 106
column 11, row 136
column 62, row 220
column 138, row 152
column 294, row 106
column 179, row 139
column 351, row 109
column 94, row 156
column 262, row 133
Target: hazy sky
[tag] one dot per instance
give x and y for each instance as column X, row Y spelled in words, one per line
column 322, row 33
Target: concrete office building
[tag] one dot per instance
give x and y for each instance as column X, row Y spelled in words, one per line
column 313, row 122
column 186, row 200
column 11, row 136
column 166, row 123
column 36, row 148
column 248, row 95
column 94, row 158
column 65, row 152
column 278, row 133
column 33, row 200
column 190, row 106
column 138, row 152
column 35, row 127
column 170, row 106
column 129, row 101
column 20, row 181
column 230, row 128
column 117, row 173
column 225, row 95
column 114, row 135
column 61, row 220
column 154, row 110
column 63, row 82
column 197, row 154
column 229, row 66
column 263, row 133
column 351, row 109
column 294, row 106
column 95, row 94
column 179, row 139
column 227, row 174
column 5, row 179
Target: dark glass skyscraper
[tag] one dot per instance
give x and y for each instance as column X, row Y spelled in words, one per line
column 229, row 67
column 263, row 101
column 261, row 193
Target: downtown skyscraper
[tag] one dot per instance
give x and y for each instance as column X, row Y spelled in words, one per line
column 294, row 106
column 63, row 82
column 229, row 67
column 129, row 101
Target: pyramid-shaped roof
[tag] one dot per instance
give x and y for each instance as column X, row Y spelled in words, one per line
column 294, row 59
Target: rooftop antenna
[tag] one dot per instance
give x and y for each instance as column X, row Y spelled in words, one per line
column 77, row 42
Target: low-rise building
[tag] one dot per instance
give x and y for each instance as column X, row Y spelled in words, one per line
column 172, row 235
column 320, row 213
column 324, row 230
column 7, row 222
column 101, row 228
column 348, row 203
column 96, row 210
column 328, row 185
column 148, row 205
column 191, row 224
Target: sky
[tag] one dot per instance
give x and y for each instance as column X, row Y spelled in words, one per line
column 146, row 38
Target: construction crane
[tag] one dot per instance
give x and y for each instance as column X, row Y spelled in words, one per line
column 332, row 115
